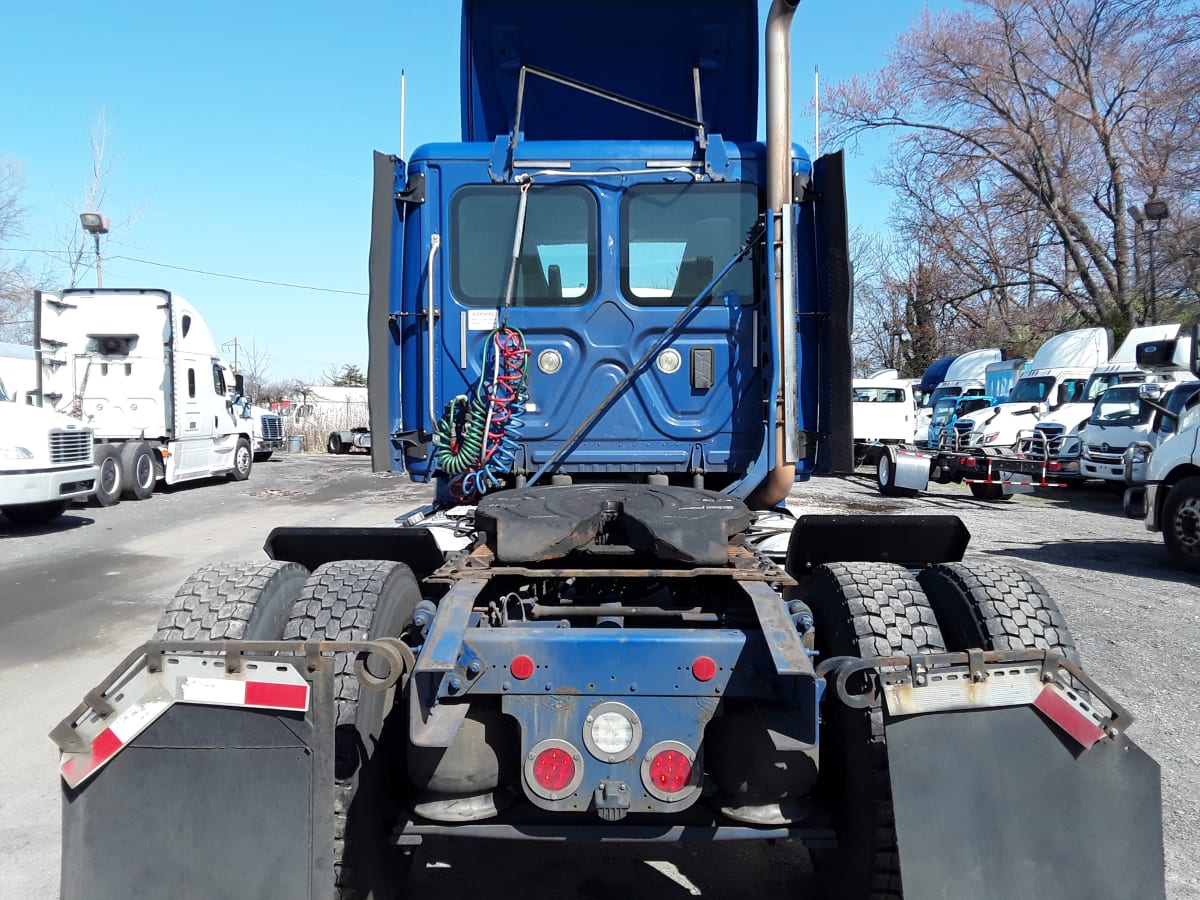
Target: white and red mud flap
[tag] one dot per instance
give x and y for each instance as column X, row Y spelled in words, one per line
column 191, row 772
column 1012, row 776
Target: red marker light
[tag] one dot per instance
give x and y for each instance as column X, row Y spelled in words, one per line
column 670, row 771
column 704, row 668
column 521, row 667
column 553, row 769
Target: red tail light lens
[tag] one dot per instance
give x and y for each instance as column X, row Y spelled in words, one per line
column 554, row 769
column 670, row 771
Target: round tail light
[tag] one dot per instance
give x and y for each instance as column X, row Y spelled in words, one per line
column 553, row 769
column 668, row 771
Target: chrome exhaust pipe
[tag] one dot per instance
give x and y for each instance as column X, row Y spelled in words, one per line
column 779, row 197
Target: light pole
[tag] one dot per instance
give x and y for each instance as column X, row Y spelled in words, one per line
column 899, row 337
column 1156, row 212
column 95, row 224
column 1139, row 222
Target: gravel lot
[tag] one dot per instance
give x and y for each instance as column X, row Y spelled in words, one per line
column 75, row 598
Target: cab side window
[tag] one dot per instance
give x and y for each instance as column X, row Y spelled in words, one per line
column 192, row 383
column 218, row 380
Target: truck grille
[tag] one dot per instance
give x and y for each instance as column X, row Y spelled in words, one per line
column 1047, row 438
column 1112, row 455
column 962, row 433
column 272, row 428
column 71, row 446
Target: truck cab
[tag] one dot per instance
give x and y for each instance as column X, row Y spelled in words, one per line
column 966, row 376
column 884, row 412
column 933, row 376
column 45, row 462
column 266, row 427
column 1170, row 498
column 1130, row 414
column 140, row 368
column 946, row 414
column 618, row 255
column 1058, row 432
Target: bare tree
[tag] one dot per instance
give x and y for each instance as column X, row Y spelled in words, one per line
column 78, row 247
column 254, row 365
column 1025, row 129
column 17, row 279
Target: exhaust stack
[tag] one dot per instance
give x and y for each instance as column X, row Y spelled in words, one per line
column 779, row 196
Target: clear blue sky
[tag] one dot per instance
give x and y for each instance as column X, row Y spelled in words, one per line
column 241, row 135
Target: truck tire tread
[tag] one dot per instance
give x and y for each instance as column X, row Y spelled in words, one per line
column 868, row 609
column 233, row 601
column 342, row 601
column 992, row 606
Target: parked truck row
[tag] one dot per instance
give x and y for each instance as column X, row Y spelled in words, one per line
column 137, row 377
column 1067, row 415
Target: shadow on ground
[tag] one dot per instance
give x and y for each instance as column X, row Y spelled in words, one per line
column 1117, row 557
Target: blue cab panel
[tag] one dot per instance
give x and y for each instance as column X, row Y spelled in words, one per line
column 608, row 264
column 624, row 53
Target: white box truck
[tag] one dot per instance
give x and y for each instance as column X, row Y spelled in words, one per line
column 18, row 371
column 45, row 461
column 1172, row 483
column 1127, row 414
column 141, row 369
column 884, row 410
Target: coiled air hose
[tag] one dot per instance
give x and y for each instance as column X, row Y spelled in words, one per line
column 476, row 440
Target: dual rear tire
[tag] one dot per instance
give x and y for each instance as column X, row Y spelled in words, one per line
column 353, row 600
column 879, row 609
column 128, row 470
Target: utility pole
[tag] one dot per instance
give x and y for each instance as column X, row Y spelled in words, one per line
column 235, row 353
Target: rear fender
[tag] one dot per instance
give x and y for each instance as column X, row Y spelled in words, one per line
column 911, row 541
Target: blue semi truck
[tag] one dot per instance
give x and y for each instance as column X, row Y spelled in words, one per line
column 621, row 323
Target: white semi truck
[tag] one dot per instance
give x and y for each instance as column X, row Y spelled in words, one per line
column 1057, row 376
column 141, row 369
column 45, row 461
column 266, row 427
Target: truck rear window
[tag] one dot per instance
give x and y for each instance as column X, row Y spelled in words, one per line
column 676, row 237
column 558, row 254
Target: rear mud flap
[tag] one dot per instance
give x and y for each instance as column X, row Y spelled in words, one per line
column 207, row 802
column 206, row 769
column 1001, row 803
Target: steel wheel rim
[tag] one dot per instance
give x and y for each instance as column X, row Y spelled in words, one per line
column 885, row 469
column 243, row 458
column 1186, row 526
column 144, row 471
column 109, row 476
